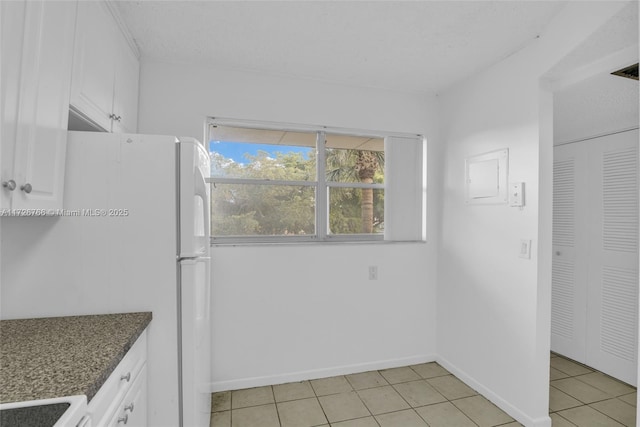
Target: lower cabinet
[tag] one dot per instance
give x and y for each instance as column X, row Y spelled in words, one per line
column 133, row 408
column 122, row 400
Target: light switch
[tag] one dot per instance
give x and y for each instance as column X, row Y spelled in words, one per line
column 516, row 194
column 525, row 249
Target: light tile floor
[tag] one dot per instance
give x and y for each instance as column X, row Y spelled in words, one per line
column 582, row 396
column 418, row 396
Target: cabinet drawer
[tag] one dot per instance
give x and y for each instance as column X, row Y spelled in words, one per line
column 132, row 411
column 107, row 400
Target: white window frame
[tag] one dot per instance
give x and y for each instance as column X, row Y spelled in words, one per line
column 320, row 184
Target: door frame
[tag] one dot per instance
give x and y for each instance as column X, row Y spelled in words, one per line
column 548, row 85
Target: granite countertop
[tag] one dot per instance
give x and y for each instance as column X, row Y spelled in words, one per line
column 63, row 356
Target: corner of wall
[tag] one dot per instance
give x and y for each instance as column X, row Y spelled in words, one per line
column 494, row 397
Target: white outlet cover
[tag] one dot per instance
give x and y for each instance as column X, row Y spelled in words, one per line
column 516, row 194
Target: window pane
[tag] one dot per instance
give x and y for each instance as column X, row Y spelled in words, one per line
column 354, row 159
column 262, row 154
column 356, row 211
column 262, row 210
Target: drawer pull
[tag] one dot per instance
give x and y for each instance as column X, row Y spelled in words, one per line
column 123, row 419
column 126, row 378
column 129, row 407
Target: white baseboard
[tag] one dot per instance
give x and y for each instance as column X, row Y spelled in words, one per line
column 496, row 399
column 288, row 377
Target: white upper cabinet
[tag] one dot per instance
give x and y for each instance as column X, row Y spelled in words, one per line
column 37, row 53
column 105, row 71
column 125, row 93
column 93, row 64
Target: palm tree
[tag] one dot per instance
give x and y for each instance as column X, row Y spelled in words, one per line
column 356, row 166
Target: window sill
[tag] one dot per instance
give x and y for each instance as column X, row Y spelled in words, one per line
column 318, row 243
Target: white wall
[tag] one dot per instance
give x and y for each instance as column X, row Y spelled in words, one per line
column 287, row 312
column 493, row 307
column 291, row 313
column 176, row 99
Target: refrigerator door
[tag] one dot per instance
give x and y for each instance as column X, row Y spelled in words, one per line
column 195, row 290
column 116, row 252
column 194, row 199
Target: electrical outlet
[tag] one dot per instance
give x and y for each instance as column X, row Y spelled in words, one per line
column 373, row 272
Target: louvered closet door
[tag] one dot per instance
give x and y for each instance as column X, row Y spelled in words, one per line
column 612, row 300
column 569, row 271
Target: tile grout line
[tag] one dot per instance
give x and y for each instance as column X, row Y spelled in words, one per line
column 353, row 390
column 577, row 378
column 606, row 415
column 461, row 411
column 230, row 408
column 402, row 397
column 275, row 404
column 589, row 405
column 405, row 400
column 567, row 420
column 448, row 400
column 362, row 401
column 319, row 404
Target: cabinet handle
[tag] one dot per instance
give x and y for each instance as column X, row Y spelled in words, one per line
column 129, row 407
column 127, row 377
column 123, row 419
column 26, row 188
column 114, row 117
column 9, row 185
column 118, row 118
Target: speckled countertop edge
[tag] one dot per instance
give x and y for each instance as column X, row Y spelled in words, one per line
column 63, row 356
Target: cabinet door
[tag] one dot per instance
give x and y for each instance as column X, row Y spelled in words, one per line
column 43, row 113
column 125, row 96
column 95, row 55
column 12, row 27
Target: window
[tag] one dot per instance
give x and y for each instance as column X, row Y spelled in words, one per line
column 279, row 183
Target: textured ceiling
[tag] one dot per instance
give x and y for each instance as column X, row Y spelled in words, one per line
column 595, row 106
column 602, row 103
column 414, row 46
column 620, row 32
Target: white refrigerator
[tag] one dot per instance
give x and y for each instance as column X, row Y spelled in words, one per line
column 137, row 207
